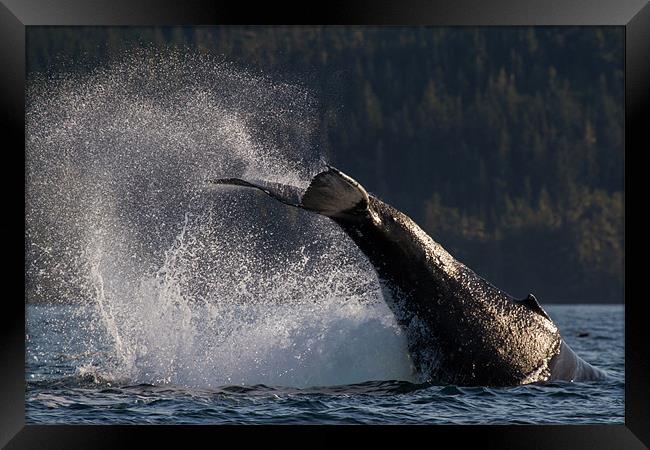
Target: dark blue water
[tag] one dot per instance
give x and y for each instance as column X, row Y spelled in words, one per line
column 69, row 381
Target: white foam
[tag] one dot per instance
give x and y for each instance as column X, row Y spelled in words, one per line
column 196, row 287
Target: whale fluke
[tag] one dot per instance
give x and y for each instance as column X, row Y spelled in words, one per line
column 330, row 193
column 287, row 194
column 334, row 194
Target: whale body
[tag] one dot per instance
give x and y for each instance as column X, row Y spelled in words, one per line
column 460, row 329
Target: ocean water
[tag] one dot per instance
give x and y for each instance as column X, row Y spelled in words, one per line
column 72, row 377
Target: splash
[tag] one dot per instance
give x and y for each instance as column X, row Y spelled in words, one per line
column 195, row 286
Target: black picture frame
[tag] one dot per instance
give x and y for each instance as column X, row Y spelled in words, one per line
column 16, row 15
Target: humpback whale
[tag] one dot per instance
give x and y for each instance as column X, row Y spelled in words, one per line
column 460, row 328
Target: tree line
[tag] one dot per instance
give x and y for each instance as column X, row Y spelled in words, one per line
column 506, row 144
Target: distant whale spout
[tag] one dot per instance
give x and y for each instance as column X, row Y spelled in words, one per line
column 460, row 328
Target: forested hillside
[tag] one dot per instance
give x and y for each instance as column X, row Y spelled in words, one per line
column 506, row 144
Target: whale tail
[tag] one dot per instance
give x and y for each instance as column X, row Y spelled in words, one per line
column 334, row 194
column 330, row 193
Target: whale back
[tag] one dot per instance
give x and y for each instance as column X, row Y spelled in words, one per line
column 460, row 328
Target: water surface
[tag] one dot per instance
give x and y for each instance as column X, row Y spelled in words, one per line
column 68, row 382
